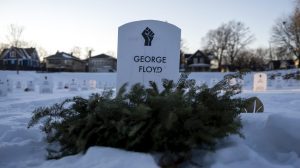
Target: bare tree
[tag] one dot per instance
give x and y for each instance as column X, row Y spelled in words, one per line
column 239, row 39
column 76, row 51
column 88, row 52
column 263, row 53
column 286, row 34
column 216, row 42
column 3, row 46
column 14, row 35
column 227, row 41
column 183, row 46
column 42, row 53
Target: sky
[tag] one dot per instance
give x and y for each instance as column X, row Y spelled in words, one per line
column 59, row 25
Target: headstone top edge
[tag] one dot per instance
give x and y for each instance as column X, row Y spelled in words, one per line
column 147, row 21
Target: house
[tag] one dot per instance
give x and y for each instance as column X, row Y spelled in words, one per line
column 19, row 58
column 197, row 62
column 66, row 62
column 281, row 64
column 102, row 63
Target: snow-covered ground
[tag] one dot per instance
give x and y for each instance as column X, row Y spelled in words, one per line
column 272, row 138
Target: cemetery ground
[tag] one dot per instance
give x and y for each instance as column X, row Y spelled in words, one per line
column 271, row 139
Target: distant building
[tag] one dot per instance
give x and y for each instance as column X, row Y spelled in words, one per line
column 66, row 62
column 19, row 58
column 102, row 63
column 197, row 62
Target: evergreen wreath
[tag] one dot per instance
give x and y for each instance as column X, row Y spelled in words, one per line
column 173, row 121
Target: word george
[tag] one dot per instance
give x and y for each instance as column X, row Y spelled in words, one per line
column 150, row 59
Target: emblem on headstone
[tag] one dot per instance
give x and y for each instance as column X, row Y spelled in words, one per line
column 148, row 36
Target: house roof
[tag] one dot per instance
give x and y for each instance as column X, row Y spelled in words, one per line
column 3, row 53
column 198, row 53
column 103, row 56
column 32, row 52
column 187, row 56
column 20, row 53
column 62, row 55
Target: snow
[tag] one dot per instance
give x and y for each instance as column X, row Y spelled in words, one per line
column 67, row 56
column 271, row 139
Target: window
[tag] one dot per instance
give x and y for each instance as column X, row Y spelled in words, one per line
column 201, row 60
column 195, row 60
column 52, row 61
column 13, row 54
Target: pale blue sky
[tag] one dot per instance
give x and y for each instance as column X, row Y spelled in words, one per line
column 63, row 24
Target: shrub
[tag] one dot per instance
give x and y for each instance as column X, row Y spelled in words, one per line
column 172, row 121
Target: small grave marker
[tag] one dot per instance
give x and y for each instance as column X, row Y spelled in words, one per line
column 260, row 82
column 9, row 85
column 19, row 85
column 73, row 86
column 278, row 82
column 60, row 85
column 92, row 84
column 3, row 86
column 100, row 85
column 290, row 82
column 84, row 85
column 30, row 86
column 46, row 86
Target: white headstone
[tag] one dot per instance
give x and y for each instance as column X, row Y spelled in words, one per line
column 106, row 86
column 9, row 85
column 100, row 85
column 19, row 85
column 30, row 86
column 84, row 85
column 60, row 85
column 270, row 83
column 73, row 85
column 66, row 86
column 260, row 82
column 148, row 50
column 46, row 85
column 92, row 84
column 3, row 86
column 290, row 82
column 278, row 82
